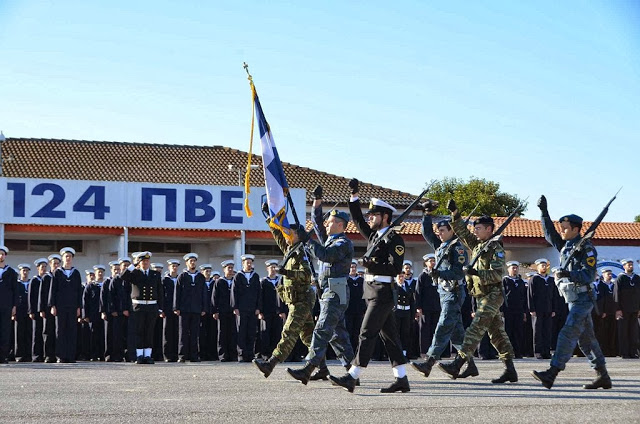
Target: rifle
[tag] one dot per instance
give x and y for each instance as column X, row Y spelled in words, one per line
column 396, row 225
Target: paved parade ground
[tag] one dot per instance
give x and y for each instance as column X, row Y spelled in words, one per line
column 229, row 392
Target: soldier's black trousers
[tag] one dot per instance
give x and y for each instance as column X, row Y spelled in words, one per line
column 189, row 335
column 114, row 345
column 227, row 337
column 145, row 322
column 628, row 334
column 66, row 333
column 49, row 335
column 428, row 324
column 5, row 332
column 270, row 334
column 23, row 332
column 514, row 326
column 403, row 321
column 37, row 341
column 170, row 336
column 542, row 333
column 247, row 329
column 352, row 323
column 208, row 338
column 606, row 333
column 96, row 339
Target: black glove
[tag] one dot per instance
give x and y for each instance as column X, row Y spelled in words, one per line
column 354, row 185
column 317, row 193
column 283, row 271
column 265, row 208
column 563, row 273
column 303, row 236
column 451, row 205
column 434, row 274
column 429, row 205
column 367, row 262
column 542, row 204
column 470, row 271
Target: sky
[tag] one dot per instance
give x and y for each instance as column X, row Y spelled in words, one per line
column 542, row 97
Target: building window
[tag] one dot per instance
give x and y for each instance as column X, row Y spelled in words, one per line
column 263, row 250
column 154, row 247
column 43, row 246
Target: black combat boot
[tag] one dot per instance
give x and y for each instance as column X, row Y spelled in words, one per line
column 266, row 367
column 424, row 367
column 602, row 379
column 470, row 371
column 509, row 373
column 321, row 374
column 303, row 374
column 452, row 368
column 346, row 381
column 546, row 377
column 400, row 385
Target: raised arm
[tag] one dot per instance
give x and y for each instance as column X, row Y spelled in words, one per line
column 427, row 232
column 549, row 230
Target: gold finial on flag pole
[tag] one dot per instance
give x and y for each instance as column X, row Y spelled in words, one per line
column 246, row 68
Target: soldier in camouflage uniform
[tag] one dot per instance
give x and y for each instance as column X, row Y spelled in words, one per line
column 484, row 281
column 574, row 283
column 297, row 293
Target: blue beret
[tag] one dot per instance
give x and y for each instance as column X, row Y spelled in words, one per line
column 444, row 223
column 574, row 219
column 484, row 220
column 339, row 214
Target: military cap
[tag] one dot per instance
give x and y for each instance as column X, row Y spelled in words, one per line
column 173, row 262
column 227, row 263
column 68, row 249
column 157, row 265
column 428, row 256
column 245, row 257
column 378, row 205
column 484, row 220
column 205, row 266
column 607, row 269
column 541, row 261
column 123, row 260
column 626, row 261
column 572, row 218
column 339, row 214
column 39, row 261
column 444, row 223
column 360, row 270
column 114, row 263
column 27, row 266
column 5, row 249
column 89, row 271
column 54, row 256
column 99, row 266
column 407, row 262
column 354, row 261
column 271, row 262
column 190, row 255
column 215, row 273
column 512, row 263
column 139, row 256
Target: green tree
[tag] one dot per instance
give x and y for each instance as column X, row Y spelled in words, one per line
column 637, row 218
column 477, row 191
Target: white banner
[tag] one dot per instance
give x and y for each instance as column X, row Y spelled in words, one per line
column 123, row 204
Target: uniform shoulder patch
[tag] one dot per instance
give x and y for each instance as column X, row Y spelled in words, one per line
column 399, row 250
column 591, row 261
column 460, row 250
column 461, row 259
column 500, row 254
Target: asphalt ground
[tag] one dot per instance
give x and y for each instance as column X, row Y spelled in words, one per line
column 213, row 392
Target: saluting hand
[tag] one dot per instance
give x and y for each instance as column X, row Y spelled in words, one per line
column 451, row 205
column 542, row 204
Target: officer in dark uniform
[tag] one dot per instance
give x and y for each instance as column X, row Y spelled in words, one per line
column 145, row 288
column 626, row 294
column 272, row 312
column 65, row 300
column 91, row 314
column 574, row 283
column 515, row 307
column 48, row 320
column 37, row 344
column 8, row 303
column 384, row 264
column 191, row 304
column 403, row 311
column 246, row 291
column 23, row 325
column 604, row 325
column 223, row 302
column 541, row 308
column 208, row 325
column 355, row 311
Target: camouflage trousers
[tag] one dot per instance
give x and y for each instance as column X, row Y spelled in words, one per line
column 299, row 324
column 578, row 329
column 487, row 318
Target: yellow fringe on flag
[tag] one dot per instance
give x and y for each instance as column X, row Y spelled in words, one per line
column 247, row 189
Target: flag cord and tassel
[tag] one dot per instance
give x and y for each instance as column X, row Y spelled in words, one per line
column 247, row 188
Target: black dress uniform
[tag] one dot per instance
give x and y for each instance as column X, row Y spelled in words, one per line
column 37, row 342
column 222, row 302
column 514, row 309
column 355, row 311
column 246, row 291
column 49, row 321
column 270, row 307
column 541, row 302
column 118, row 301
column 627, row 296
column 403, row 314
column 605, row 328
column 171, row 321
column 191, row 292
column 23, row 324
column 91, row 311
column 208, row 328
column 146, row 293
column 66, row 296
column 428, row 300
column 8, row 300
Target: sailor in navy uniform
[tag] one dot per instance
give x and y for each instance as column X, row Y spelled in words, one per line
column 626, row 294
column 427, row 301
column 191, row 304
column 246, row 291
column 171, row 321
column 158, row 330
column 37, row 342
column 355, row 311
column 92, row 316
column 23, row 325
column 541, row 308
column 208, row 325
column 272, row 313
column 515, row 307
column 48, row 320
column 403, row 311
column 604, row 325
column 223, row 302
column 105, row 314
column 8, row 303
column 146, row 293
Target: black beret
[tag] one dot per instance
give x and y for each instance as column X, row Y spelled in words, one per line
column 484, row 220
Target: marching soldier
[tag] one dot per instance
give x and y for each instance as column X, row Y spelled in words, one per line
column 355, row 311
column 91, row 314
column 191, row 304
column 37, row 345
column 171, row 321
column 580, row 273
column 23, row 324
column 627, row 296
column 8, row 303
column 515, row 307
column 272, row 314
column 208, row 325
column 145, row 288
column 222, row 300
column 384, row 264
column 484, row 281
column 65, row 300
column 605, row 324
column 246, row 292
column 541, row 308
column 48, row 320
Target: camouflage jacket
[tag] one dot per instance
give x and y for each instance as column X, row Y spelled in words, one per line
column 297, row 283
